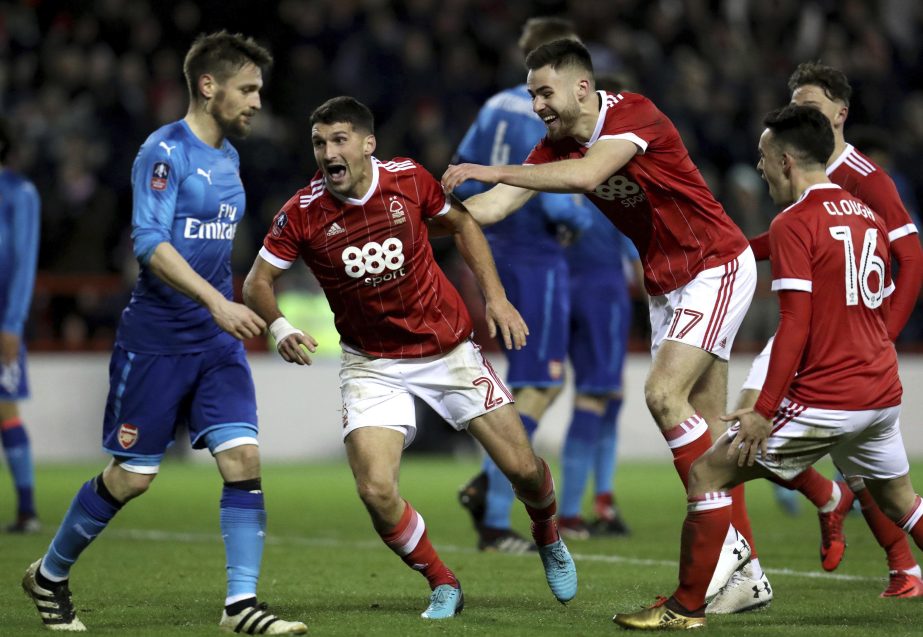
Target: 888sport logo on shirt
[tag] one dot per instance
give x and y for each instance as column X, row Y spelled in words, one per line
column 375, row 263
column 621, row 188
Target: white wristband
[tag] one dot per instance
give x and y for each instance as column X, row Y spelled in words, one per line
column 281, row 329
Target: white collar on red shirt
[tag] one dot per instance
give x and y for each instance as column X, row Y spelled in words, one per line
column 368, row 195
column 601, row 119
column 839, row 160
column 824, row 186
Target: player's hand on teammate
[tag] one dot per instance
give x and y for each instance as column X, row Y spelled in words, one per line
column 455, row 174
column 294, row 348
column 752, row 436
column 504, row 319
column 238, row 320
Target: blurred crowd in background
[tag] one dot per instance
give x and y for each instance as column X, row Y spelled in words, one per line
column 85, row 82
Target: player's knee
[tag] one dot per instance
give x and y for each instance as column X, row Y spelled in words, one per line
column 126, row 485
column 525, row 474
column 658, row 398
column 239, row 463
column 377, row 494
column 701, row 477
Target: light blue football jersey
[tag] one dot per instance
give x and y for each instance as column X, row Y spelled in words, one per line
column 601, row 248
column 188, row 194
column 20, row 217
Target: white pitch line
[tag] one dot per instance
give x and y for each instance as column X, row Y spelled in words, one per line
column 155, row 535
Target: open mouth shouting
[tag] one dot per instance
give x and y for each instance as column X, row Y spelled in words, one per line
column 336, row 173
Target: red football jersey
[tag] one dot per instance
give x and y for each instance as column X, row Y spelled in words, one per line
column 659, row 199
column 859, row 175
column 832, row 245
column 373, row 259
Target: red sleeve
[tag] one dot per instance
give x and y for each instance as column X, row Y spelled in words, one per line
column 433, row 201
column 878, row 191
column 541, row 154
column 791, row 245
column 635, row 118
column 283, row 240
column 787, row 350
column 760, row 246
column 907, row 254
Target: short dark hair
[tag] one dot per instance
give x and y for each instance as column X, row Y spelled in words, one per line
column 6, row 139
column 560, row 53
column 538, row 31
column 346, row 110
column 804, row 130
column 221, row 54
column 833, row 81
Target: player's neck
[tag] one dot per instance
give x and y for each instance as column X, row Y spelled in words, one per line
column 805, row 180
column 204, row 127
column 589, row 115
column 839, row 145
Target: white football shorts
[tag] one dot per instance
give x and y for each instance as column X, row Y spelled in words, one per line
column 706, row 312
column 378, row 392
column 863, row 444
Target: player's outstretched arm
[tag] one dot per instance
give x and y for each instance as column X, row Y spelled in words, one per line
column 582, row 175
column 234, row 318
column 498, row 203
column 501, row 316
column 260, row 296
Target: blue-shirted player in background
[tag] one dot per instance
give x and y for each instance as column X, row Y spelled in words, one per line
column 19, row 228
column 178, row 354
column 600, row 315
column 533, row 269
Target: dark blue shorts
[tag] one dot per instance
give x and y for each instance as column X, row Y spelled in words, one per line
column 14, row 381
column 600, row 316
column 210, row 392
column 540, row 291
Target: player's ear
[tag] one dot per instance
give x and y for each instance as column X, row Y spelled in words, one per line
column 583, row 88
column 786, row 164
column 370, row 144
column 840, row 118
column 207, row 86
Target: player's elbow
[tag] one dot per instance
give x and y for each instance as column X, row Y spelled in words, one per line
column 250, row 291
column 144, row 244
column 582, row 182
column 588, row 178
column 258, row 285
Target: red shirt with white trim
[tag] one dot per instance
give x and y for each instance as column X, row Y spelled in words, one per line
column 373, row 259
column 659, row 199
column 831, row 245
column 869, row 182
column 862, row 177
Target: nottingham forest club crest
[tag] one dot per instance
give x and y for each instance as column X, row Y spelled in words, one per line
column 128, row 436
column 396, row 208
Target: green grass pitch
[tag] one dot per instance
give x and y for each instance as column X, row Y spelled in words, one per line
column 159, row 568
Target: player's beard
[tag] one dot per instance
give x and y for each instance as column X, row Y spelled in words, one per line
column 235, row 126
column 567, row 118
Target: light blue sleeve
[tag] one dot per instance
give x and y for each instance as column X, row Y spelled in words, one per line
column 153, row 197
column 567, row 209
column 468, row 153
column 25, row 229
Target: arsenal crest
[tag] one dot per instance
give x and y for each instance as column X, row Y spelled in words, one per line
column 128, row 436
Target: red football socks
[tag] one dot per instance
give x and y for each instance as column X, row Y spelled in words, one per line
column 409, row 540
